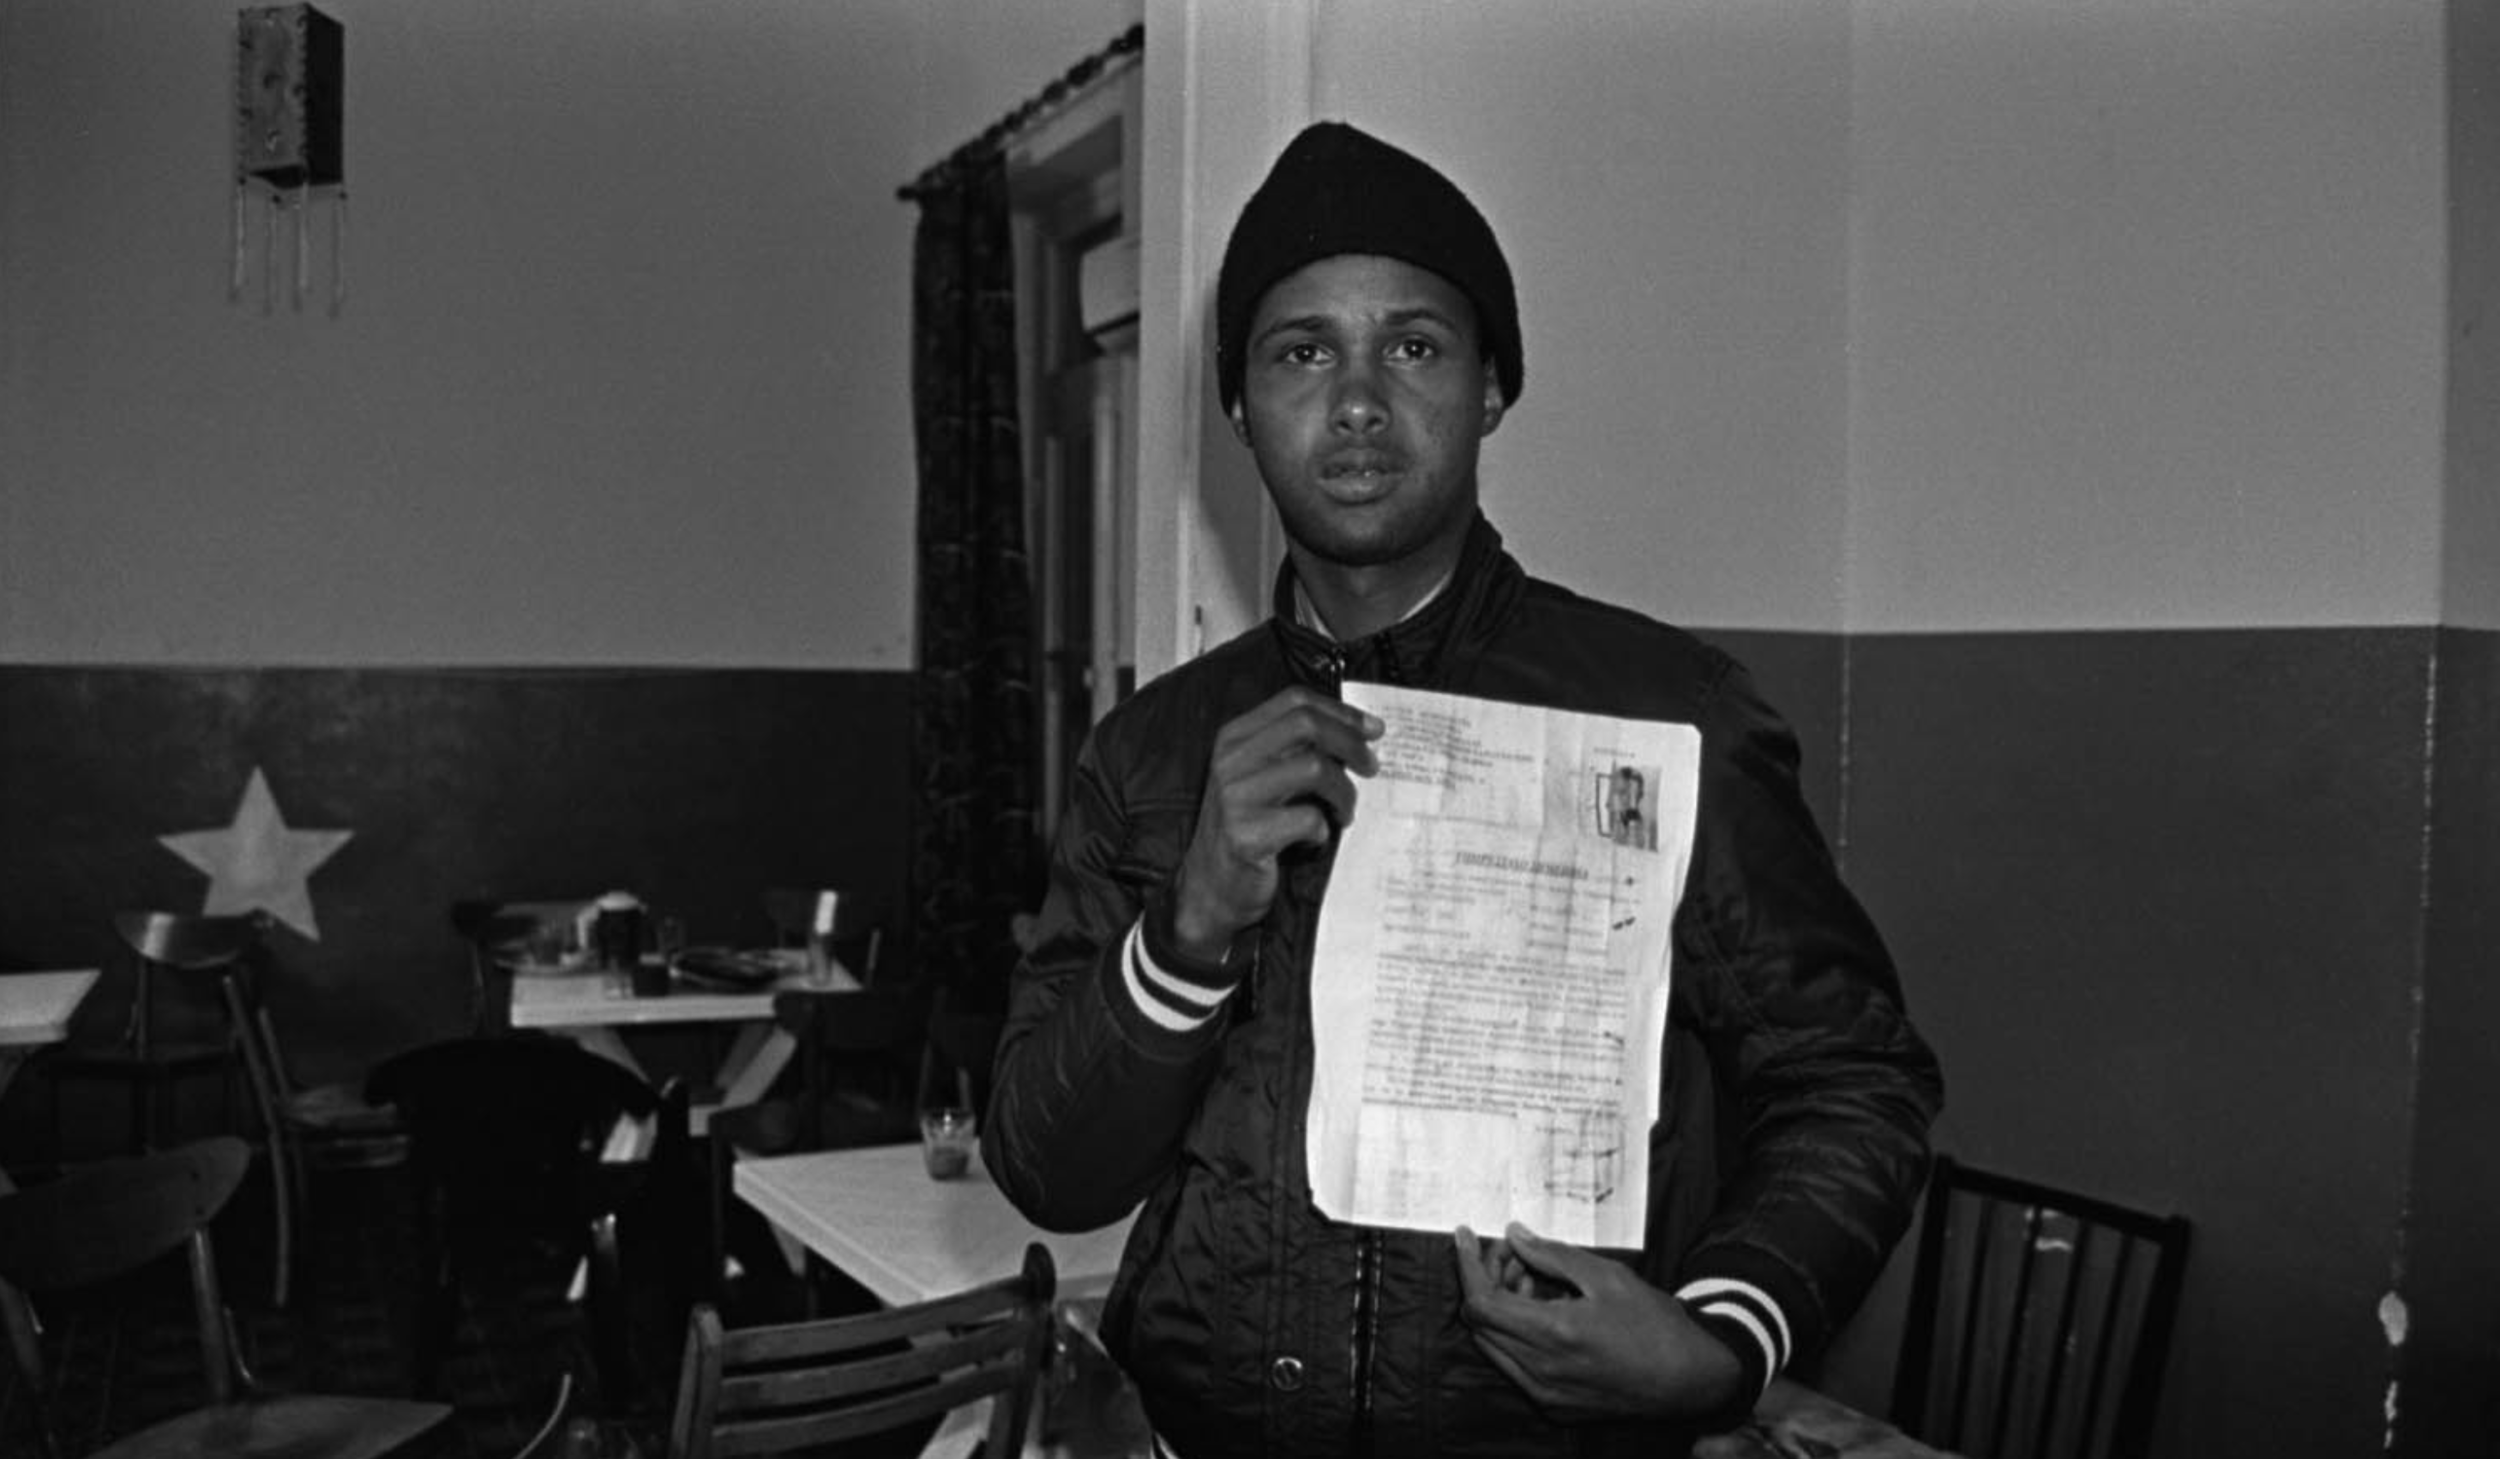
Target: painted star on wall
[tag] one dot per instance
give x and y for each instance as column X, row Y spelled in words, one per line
column 258, row 862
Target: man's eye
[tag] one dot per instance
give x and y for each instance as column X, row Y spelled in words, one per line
column 1305, row 353
column 1414, row 348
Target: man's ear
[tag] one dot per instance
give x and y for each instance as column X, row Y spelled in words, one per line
column 1494, row 405
column 1241, row 423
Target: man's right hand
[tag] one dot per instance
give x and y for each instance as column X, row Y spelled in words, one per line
column 1277, row 778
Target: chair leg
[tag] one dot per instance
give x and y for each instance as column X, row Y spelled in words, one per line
column 610, row 1329
column 716, row 1223
column 282, row 1192
column 17, row 1317
column 438, row 1312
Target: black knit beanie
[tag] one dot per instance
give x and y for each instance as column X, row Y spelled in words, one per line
column 1339, row 190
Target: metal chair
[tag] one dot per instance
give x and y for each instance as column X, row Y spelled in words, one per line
column 107, row 1219
column 2039, row 1319
column 323, row 1126
column 796, row 1386
column 175, row 1028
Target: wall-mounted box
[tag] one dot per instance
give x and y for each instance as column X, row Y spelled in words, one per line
column 289, row 96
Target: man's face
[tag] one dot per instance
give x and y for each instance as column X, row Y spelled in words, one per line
column 1364, row 397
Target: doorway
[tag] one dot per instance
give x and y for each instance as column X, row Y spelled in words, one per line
column 1072, row 181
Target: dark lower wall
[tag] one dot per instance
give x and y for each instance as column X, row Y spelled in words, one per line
column 695, row 789
column 2158, row 900
column 1802, row 675
column 2447, row 1402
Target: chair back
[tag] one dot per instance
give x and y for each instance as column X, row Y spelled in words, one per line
column 494, row 932
column 849, row 924
column 506, row 1142
column 497, row 1126
column 2039, row 1319
column 798, row 1386
column 859, row 1049
column 187, row 942
column 113, row 1217
column 963, row 1043
column 179, row 943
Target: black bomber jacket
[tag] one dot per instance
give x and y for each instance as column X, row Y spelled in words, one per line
column 1794, row 1107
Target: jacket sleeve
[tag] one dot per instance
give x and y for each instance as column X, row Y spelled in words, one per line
column 1093, row 1091
column 1830, row 1089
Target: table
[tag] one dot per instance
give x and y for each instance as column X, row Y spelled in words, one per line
column 877, row 1215
column 594, row 1007
column 1795, row 1422
column 35, row 1010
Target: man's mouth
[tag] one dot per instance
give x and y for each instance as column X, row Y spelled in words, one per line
column 1359, row 468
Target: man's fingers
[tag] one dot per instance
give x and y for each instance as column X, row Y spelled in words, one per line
column 1295, row 799
column 1476, row 1276
column 1530, row 1323
column 1554, row 1260
column 1550, row 1269
column 1295, row 720
column 1276, row 778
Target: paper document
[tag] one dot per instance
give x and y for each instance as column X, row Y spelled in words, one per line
column 1489, row 987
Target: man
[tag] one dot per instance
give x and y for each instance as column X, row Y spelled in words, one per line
column 1158, row 1046
column 1626, row 822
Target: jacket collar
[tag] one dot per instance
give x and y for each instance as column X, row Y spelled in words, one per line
column 1431, row 646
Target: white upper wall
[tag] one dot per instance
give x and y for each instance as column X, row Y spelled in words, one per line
column 1930, row 315
column 2148, row 306
column 623, row 375
column 1669, row 182
column 2470, row 541
column 1902, row 315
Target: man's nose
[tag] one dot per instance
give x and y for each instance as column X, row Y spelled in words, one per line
column 1360, row 408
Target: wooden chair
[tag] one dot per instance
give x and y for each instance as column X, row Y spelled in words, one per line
column 175, row 1027
column 111, row 1218
column 2039, row 1319
column 792, row 1387
column 506, row 1138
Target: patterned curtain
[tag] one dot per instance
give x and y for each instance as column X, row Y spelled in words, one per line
column 975, row 857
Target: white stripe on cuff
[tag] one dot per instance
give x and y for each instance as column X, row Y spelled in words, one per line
column 1137, row 970
column 1748, row 1304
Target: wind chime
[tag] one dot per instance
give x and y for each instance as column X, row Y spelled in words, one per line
column 289, row 79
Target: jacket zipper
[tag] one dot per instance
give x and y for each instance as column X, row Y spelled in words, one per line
column 1367, row 1254
column 1368, row 1247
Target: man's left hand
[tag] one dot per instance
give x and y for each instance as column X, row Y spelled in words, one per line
column 1585, row 1337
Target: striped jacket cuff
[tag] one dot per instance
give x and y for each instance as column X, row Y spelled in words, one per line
column 1745, row 1318
column 1169, row 988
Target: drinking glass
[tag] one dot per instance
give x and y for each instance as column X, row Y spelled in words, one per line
column 948, row 1134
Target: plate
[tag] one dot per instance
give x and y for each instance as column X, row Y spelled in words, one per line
column 727, row 968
